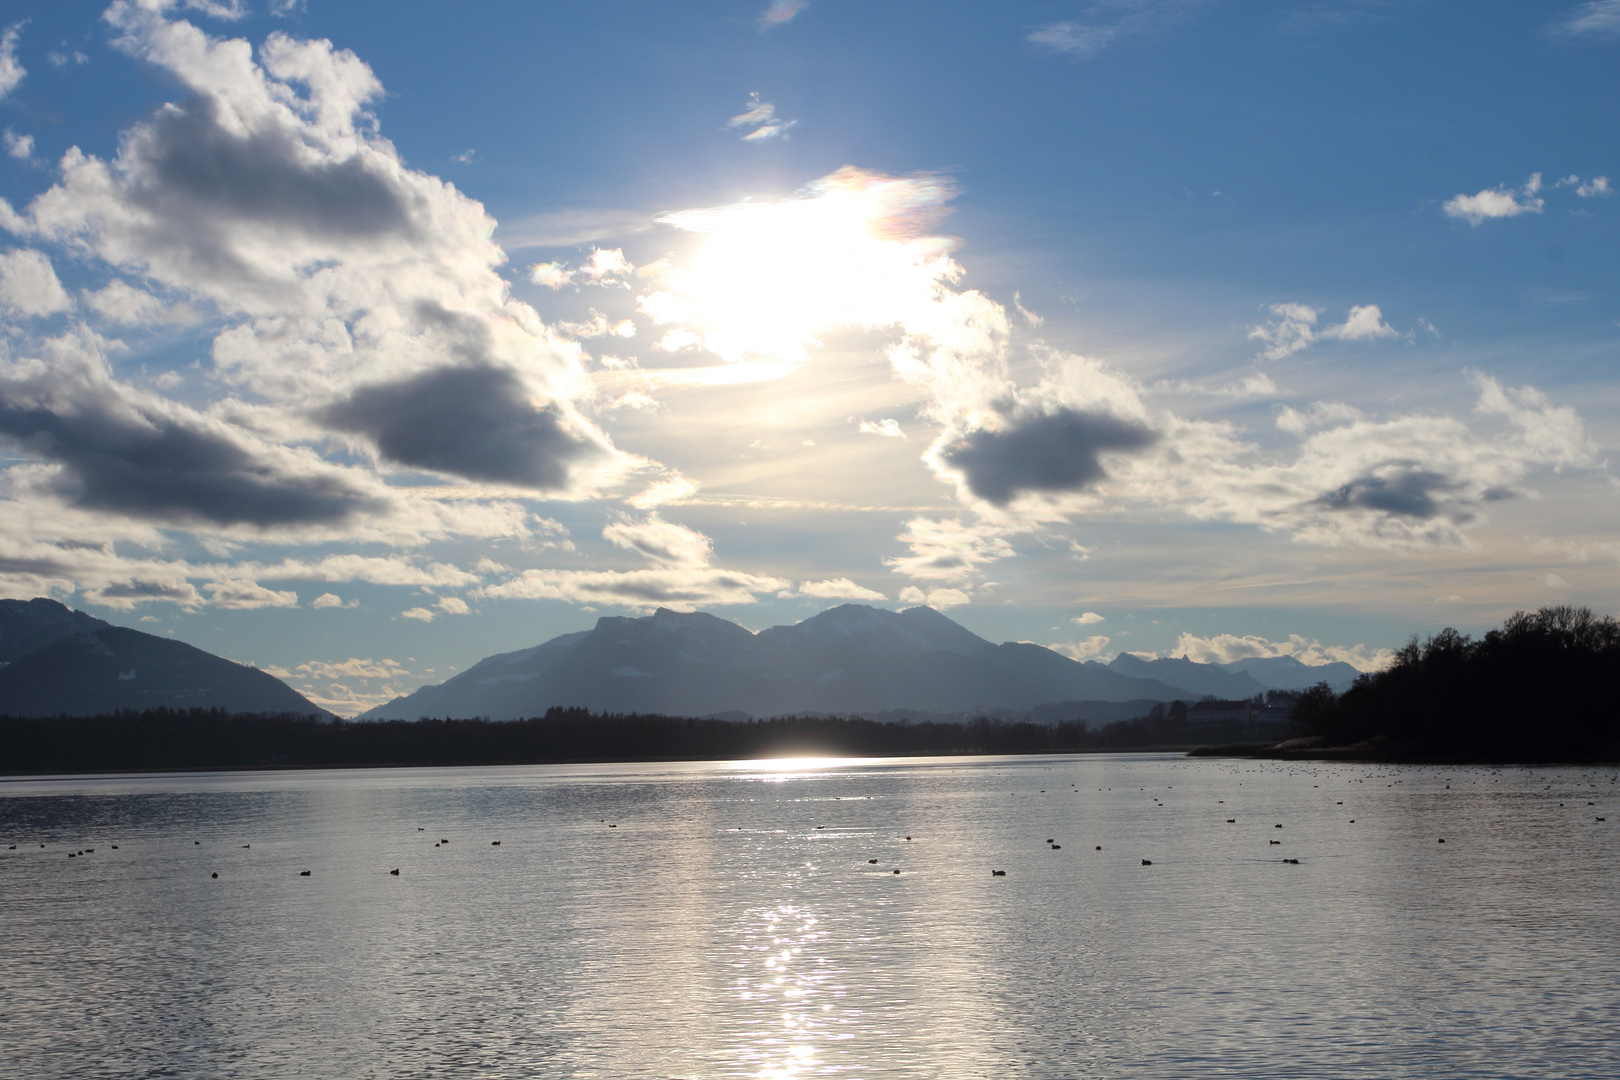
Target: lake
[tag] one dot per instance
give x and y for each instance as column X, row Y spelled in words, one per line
column 730, row 919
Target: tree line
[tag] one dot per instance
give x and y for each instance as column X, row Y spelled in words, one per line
column 1543, row 687
column 158, row 739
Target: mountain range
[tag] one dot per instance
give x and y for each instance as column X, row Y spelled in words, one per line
column 56, row 661
column 851, row 659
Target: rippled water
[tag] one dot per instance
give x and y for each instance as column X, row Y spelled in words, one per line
column 727, row 919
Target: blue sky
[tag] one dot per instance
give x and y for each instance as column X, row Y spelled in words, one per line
column 363, row 340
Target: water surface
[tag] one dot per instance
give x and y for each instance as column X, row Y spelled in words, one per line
column 728, row 919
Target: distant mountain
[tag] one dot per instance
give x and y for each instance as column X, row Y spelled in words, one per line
column 1199, row 678
column 1288, row 673
column 848, row 659
column 26, row 625
column 94, row 667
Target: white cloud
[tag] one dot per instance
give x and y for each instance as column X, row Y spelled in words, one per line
column 1294, row 329
column 1597, row 187
column 682, row 575
column 244, row 595
column 1089, row 649
column 1553, row 581
column 604, row 266
column 1499, row 202
column 760, row 117
column 888, row 429
column 939, row 599
column 780, row 12
column 452, row 605
column 837, row 589
column 1596, row 17
column 11, row 70
column 29, row 286
column 1226, row 648
column 20, row 147
column 599, row 325
column 1103, row 22
column 326, row 600
column 1087, row 618
column 121, row 303
column 947, row 550
column 420, row 614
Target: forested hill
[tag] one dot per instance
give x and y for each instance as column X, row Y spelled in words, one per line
column 1543, row 687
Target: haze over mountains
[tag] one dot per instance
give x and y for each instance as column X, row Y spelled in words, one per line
column 56, row 661
column 848, row 659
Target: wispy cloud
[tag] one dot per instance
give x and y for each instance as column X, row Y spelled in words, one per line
column 780, row 12
column 761, row 117
column 11, row 69
column 1103, row 22
column 1597, row 18
column 1497, row 202
column 1294, row 329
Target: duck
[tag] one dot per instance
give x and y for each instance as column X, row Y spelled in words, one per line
column 897, row 871
column 395, row 871
column 1147, row 862
column 998, row 873
column 1057, row 847
column 494, row 843
column 303, row 873
column 215, row 874
column 872, row 861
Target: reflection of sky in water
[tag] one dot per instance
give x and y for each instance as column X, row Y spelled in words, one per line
column 733, row 922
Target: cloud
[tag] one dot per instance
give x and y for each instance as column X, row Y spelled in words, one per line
column 1295, row 329
column 121, row 303
column 599, row 325
column 11, row 70
column 137, row 454
column 1599, row 18
column 682, row 575
column 474, row 422
column 888, row 429
column 837, row 589
column 1553, row 581
column 243, row 595
column 1104, row 22
column 29, row 286
column 327, row 600
column 947, row 550
column 1087, row 618
column 371, row 569
column 604, row 266
column 20, row 147
column 939, row 599
column 452, row 605
column 1597, row 187
column 1498, row 202
column 1089, row 649
column 1228, row 648
column 420, row 614
column 1054, row 452
column 780, row 12
column 760, row 117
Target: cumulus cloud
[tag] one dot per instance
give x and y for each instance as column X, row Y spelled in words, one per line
column 1597, row 187
column 11, row 70
column 1294, row 329
column 327, row 600
column 939, row 598
column 121, row 303
column 604, row 266
column 888, row 429
column 20, row 147
column 947, row 550
column 1058, row 451
column 474, row 422
column 1497, row 202
column 29, row 286
column 1088, row 649
column 1087, row 618
column 837, row 589
column 1227, row 648
column 244, row 595
column 137, row 454
column 760, row 118
column 682, row 575
column 419, row 614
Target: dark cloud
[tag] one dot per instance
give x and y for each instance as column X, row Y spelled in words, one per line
column 153, row 466
column 186, row 166
column 1055, row 451
column 1409, row 493
column 474, row 422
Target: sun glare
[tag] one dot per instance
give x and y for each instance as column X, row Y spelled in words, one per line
column 768, row 279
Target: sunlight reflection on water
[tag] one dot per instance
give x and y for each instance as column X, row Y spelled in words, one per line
column 746, row 919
